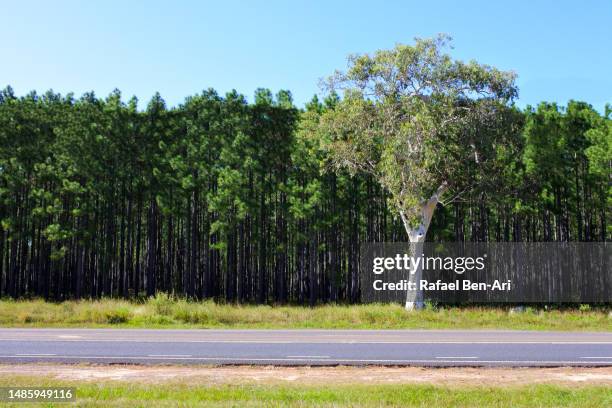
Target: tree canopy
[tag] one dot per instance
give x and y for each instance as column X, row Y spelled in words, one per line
column 221, row 198
column 420, row 123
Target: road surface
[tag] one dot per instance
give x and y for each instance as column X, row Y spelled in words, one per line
column 307, row 347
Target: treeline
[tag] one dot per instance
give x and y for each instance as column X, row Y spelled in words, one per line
column 219, row 198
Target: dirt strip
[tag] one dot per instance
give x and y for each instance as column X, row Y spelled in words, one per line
column 313, row 375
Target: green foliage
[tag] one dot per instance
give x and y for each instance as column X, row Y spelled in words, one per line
column 566, row 161
column 236, row 201
column 118, row 316
column 415, row 119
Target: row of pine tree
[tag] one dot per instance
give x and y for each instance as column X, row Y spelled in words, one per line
column 221, row 198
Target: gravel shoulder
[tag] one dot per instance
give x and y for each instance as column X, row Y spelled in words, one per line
column 272, row 375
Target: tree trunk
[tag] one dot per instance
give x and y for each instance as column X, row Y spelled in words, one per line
column 416, row 235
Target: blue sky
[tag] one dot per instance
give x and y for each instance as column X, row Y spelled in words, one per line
column 561, row 50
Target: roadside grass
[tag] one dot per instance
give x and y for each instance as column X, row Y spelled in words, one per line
column 164, row 311
column 171, row 394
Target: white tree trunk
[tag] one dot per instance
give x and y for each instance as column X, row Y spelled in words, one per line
column 416, row 234
column 415, row 298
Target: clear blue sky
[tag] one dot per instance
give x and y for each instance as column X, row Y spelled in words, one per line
column 561, row 50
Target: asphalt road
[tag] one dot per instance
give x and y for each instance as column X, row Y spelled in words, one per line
column 307, row 347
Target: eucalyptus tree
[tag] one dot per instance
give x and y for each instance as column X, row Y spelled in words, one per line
column 422, row 124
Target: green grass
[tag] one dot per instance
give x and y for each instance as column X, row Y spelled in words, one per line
column 166, row 312
column 120, row 394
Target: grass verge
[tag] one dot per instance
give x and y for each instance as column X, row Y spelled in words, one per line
column 166, row 312
column 119, row 394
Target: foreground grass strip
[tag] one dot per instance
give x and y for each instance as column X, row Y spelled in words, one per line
column 120, row 394
column 166, row 312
